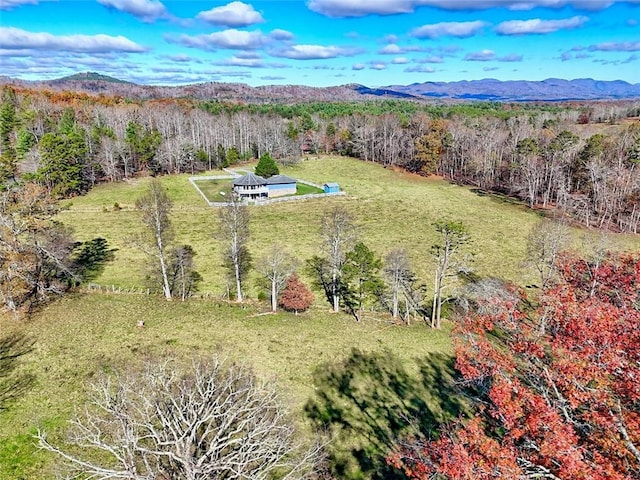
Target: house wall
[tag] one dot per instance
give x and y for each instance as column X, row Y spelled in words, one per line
column 252, row 190
column 280, row 189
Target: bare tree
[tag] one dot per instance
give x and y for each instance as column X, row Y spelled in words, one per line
column 35, row 251
column 338, row 235
column 155, row 206
column 215, row 421
column 184, row 278
column 234, row 232
column 276, row 267
column 399, row 278
column 544, row 244
column 453, row 236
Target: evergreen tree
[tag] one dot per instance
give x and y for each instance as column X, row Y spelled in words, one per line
column 8, row 122
column 63, row 157
column 361, row 274
column 267, row 166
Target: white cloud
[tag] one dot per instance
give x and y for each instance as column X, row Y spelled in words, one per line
column 538, row 26
column 281, row 35
column 230, row 39
column 361, row 8
column 432, row 59
column 450, row 29
column 146, row 10
column 481, row 56
column 394, row 49
column 358, row 66
column 17, row 39
column 234, row 14
column 391, row 49
column 420, row 69
column 400, row 60
column 237, row 61
column 615, row 47
column 11, row 4
column 312, row 52
column 181, row 58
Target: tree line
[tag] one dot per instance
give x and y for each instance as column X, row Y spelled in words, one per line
column 350, row 275
column 547, row 155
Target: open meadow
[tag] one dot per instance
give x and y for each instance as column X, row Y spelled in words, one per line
column 87, row 334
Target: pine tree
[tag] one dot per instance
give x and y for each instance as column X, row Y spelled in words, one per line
column 267, row 166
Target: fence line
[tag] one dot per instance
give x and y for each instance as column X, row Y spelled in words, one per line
column 113, row 289
column 293, row 198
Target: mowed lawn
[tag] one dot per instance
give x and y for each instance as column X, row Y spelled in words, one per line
column 85, row 335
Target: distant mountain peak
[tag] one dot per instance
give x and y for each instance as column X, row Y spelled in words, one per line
column 550, row 89
column 90, row 76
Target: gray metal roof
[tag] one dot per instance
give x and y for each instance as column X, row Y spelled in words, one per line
column 278, row 179
column 250, row 179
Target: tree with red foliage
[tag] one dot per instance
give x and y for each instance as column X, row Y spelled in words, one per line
column 556, row 386
column 295, row 297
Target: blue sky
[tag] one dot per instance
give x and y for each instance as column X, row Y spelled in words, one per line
column 321, row 42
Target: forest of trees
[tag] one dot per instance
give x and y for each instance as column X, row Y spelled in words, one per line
column 582, row 159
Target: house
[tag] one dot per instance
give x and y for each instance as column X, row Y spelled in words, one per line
column 255, row 187
column 331, row 188
column 280, row 185
column 251, row 186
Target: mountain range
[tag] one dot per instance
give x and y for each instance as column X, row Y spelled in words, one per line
column 552, row 89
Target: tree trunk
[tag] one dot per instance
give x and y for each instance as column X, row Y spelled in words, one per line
column 335, row 294
column 236, row 266
column 274, row 299
column 166, row 288
column 394, row 300
column 436, row 295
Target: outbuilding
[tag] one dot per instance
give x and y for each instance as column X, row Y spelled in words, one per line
column 331, row 188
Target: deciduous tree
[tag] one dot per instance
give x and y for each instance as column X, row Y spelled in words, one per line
column 555, row 386
column 276, row 267
column 155, row 206
column 35, row 251
column 338, row 234
column 449, row 261
column 400, row 281
column 183, row 278
column 213, row 421
column 546, row 241
column 233, row 231
column 295, row 297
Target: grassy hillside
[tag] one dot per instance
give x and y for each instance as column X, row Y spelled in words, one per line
column 81, row 336
column 392, row 209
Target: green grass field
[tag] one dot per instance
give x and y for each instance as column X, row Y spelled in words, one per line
column 392, row 209
column 83, row 335
column 216, row 190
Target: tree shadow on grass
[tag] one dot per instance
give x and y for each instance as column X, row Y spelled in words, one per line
column 12, row 383
column 369, row 401
column 91, row 257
